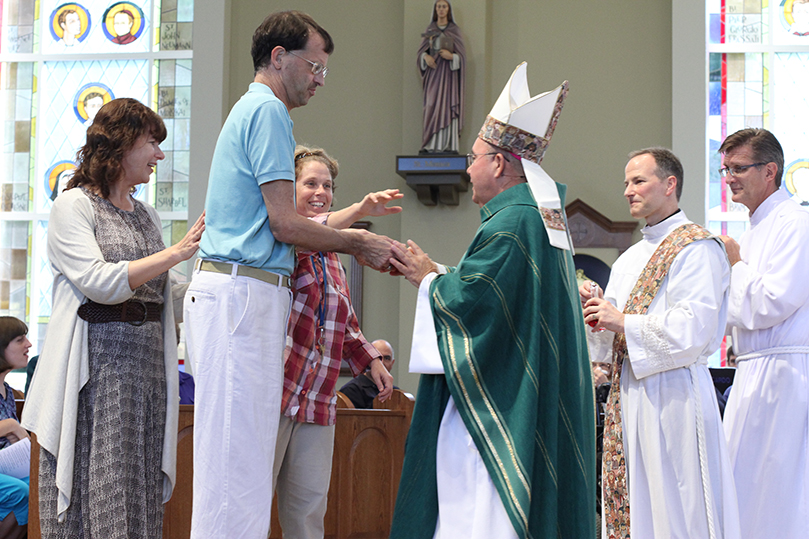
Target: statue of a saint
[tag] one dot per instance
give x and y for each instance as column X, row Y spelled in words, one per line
column 442, row 62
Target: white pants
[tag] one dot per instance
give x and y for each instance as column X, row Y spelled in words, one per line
column 236, row 332
column 469, row 506
column 301, row 476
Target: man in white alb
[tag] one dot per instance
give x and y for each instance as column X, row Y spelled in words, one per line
column 666, row 471
column 767, row 414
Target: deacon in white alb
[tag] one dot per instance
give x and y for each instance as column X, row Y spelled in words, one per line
column 666, row 471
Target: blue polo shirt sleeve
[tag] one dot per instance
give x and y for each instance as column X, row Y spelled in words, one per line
column 269, row 143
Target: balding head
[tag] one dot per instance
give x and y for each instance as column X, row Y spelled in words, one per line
column 386, row 350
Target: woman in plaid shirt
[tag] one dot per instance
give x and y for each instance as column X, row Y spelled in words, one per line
column 322, row 331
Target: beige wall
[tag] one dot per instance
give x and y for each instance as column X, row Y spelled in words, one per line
column 617, row 57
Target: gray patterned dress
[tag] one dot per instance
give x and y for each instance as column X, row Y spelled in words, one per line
column 117, row 481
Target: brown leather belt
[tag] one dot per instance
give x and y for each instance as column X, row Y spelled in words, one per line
column 134, row 311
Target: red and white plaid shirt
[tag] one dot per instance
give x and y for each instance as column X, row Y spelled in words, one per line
column 309, row 376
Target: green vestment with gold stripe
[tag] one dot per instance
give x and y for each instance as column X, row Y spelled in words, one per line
column 511, row 338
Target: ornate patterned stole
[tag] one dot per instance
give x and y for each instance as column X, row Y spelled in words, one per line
column 616, row 496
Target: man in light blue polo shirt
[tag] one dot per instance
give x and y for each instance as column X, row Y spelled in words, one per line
column 237, row 305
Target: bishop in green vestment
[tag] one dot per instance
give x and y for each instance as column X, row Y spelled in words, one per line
column 510, row 335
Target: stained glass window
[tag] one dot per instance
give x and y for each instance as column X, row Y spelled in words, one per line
column 60, row 61
column 758, row 58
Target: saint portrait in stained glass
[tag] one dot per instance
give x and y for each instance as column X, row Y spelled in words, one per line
column 69, row 26
column 57, row 177
column 123, row 23
column 89, row 99
column 95, row 26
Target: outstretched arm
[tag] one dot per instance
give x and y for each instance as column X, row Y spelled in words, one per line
column 372, row 205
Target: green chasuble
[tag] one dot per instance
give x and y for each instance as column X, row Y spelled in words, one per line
column 511, row 337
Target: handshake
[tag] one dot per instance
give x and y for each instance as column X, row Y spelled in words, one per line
column 390, row 256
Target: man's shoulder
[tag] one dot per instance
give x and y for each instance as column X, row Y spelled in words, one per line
column 256, row 101
column 791, row 214
column 515, row 221
column 512, row 211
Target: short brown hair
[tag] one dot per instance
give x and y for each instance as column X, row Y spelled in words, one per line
column 62, row 19
column 667, row 165
column 765, row 146
column 10, row 329
column 92, row 95
column 114, row 131
column 287, row 29
column 305, row 154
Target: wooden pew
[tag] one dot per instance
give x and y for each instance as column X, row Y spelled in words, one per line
column 399, row 400
column 33, row 491
column 343, row 401
column 366, row 467
column 177, row 517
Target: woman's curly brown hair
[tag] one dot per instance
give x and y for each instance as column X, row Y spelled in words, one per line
column 114, row 131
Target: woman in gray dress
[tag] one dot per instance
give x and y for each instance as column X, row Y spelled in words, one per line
column 104, row 398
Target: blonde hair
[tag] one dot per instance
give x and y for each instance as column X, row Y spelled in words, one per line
column 304, row 154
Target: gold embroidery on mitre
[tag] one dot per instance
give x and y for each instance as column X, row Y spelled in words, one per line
column 513, row 139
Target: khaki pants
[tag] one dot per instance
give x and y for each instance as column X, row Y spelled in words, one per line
column 301, row 477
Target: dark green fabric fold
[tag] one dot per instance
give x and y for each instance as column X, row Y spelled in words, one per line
column 511, row 337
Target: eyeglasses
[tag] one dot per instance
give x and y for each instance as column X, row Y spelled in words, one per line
column 470, row 157
column 737, row 171
column 317, row 67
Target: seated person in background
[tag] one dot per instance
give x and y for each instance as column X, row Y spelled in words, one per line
column 13, row 492
column 323, row 330
column 601, row 373
column 362, row 390
column 730, row 357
